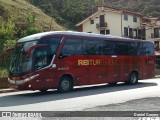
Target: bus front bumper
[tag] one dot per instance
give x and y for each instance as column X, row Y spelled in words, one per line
column 25, row 84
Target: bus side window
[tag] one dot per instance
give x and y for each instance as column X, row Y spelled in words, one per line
column 71, row 47
column 148, row 49
column 121, row 48
column 140, row 47
column 109, row 48
column 41, row 57
column 133, row 48
column 93, row 47
column 52, row 41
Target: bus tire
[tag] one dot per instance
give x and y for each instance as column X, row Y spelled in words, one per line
column 133, row 79
column 65, row 84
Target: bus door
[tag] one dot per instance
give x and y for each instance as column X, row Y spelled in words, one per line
column 73, row 62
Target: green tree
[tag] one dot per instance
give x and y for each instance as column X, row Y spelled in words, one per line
column 72, row 10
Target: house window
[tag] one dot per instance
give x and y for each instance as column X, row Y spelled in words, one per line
column 91, row 21
column 130, row 32
column 134, row 19
column 139, row 34
column 125, row 31
column 156, row 33
column 135, row 35
column 126, row 17
column 102, row 32
column 107, row 32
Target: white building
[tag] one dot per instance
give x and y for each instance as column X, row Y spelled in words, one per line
column 119, row 22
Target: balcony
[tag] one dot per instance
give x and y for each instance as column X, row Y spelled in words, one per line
column 145, row 22
column 101, row 25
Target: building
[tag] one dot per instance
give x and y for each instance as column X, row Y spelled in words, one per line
column 123, row 23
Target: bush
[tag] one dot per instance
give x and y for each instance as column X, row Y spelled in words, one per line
column 9, row 43
column 3, row 72
column 30, row 31
column 9, row 32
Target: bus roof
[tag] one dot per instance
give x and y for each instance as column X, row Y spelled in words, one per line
column 68, row 33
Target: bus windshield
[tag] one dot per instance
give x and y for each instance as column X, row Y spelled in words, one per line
column 40, row 57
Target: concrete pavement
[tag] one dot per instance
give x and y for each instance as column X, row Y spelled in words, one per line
column 6, row 90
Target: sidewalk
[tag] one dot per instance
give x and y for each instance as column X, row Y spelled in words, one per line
column 7, row 90
column 157, row 76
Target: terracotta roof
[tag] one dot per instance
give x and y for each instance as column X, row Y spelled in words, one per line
column 118, row 10
column 88, row 18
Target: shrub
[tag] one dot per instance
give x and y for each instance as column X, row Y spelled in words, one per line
column 30, row 31
column 3, row 72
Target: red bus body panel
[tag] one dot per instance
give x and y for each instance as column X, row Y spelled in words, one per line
column 89, row 69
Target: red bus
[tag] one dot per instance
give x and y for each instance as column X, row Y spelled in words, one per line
column 63, row 59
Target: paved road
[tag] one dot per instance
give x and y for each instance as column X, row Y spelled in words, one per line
column 92, row 98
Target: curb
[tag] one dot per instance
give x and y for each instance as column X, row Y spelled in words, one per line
column 157, row 76
column 7, row 90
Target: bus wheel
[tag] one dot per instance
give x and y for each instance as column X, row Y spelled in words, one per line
column 133, row 79
column 65, row 84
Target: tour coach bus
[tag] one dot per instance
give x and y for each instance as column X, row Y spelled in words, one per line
column 63, row 59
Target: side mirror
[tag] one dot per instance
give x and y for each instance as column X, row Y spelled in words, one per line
column 61, row 56
column 34, row 47
column 3, row 56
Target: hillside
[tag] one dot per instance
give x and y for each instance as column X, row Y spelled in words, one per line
column 148, row 7
column 19, row 10
column 70, row 12
column 18, row 18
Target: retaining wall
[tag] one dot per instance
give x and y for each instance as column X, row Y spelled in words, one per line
column 4, row 83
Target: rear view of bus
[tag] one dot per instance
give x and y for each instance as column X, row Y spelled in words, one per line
column 62, row 60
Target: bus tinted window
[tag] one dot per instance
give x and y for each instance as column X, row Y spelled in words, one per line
column 42, row 57
column 75, row 46
column 121, row 48
column 52, row 41
column 93, row 47
column 133, row 48
column 72, row 46
column 148, row 49
column 109, row 48
column 140, row 47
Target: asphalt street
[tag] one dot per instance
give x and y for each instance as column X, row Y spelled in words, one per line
column 144, row 96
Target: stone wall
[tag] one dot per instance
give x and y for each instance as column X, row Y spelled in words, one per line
column 4, row 83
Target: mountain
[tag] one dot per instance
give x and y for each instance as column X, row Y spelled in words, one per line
column 148, row 7
column 70, row 12
column 18, row 18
